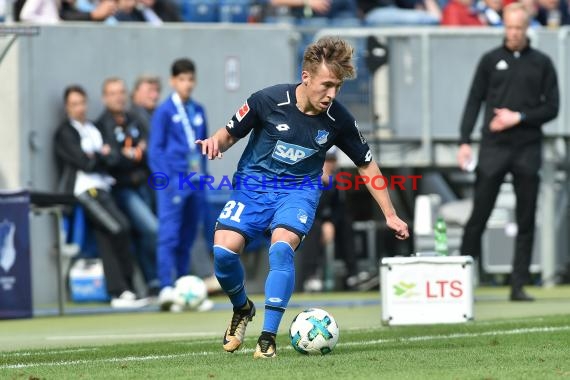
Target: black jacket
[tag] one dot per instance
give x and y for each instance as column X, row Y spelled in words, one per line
column 127, row 171
column 524, row 82
column 70, row 157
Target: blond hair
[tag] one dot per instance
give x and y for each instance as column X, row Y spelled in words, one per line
column 514, row 7
column 335, row 53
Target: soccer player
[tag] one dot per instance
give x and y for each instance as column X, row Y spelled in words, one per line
column 292, row 126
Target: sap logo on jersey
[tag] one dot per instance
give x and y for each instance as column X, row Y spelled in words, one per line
column 291, row 153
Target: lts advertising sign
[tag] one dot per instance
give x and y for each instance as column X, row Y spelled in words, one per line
column 426, row 290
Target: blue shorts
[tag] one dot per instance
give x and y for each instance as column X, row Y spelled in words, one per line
column 252, row 213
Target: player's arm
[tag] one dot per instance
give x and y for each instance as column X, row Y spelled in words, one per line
column 382, row 197
column 214, row 146
column 238, row 127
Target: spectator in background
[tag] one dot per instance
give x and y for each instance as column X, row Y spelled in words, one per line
column 145, row 97
column 531, row 7
column 84, row 158
column 100, row 12
column 165, row 10
column 40, row 11
column 127, row 11
column 309, row 11
column 399, row 12
column 552, row 13
column 519, row 87
column 490, row 12
column 128, row 139
column 460, row 13
column 176, row 124
column 143, row 11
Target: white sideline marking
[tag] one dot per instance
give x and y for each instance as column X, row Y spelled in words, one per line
column 47, row 352
column 245, row 351
column 131, row 336
column 459, row 335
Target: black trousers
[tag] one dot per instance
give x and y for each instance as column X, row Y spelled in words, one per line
column 312, row 255
column 495, row 161
column 112, row 230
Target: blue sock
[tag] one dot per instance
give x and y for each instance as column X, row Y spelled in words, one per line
column 279, row 285
column 230, row 275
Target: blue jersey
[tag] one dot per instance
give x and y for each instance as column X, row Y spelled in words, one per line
column 169, row 149
column 286, row 143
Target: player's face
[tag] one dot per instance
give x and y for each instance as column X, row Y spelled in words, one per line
column 322, row 88
column 183, row 84
column 115, row 96
column 515, row 30
column 76, row 106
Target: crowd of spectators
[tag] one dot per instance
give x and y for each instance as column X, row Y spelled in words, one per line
column 548, row 13
column 104, row 164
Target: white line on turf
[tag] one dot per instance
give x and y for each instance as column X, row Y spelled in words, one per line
column 247, row 351
column 50, row 352
column 132, row 336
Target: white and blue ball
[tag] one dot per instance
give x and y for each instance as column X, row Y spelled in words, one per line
column 189, row 292
column 314, row 331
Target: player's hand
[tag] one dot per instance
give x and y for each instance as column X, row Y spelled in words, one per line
column 210, row 148
column 464, row 156
column 398, row 226
column 105, row 9
column 105, row 150
column 504, row 119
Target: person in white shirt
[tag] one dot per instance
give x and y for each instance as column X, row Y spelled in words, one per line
column 83, row 158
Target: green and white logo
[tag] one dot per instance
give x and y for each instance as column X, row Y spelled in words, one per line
column 405, row 289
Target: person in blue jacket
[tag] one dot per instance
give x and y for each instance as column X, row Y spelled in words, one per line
column 173, row 154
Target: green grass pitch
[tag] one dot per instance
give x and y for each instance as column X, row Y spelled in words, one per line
column 506, row 341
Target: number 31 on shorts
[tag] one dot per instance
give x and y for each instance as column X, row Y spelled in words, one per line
column 229, row 210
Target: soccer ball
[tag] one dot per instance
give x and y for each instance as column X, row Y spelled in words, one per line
column 314, row 331
column 189, row 292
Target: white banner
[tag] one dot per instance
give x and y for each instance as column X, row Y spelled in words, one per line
column 427, row 290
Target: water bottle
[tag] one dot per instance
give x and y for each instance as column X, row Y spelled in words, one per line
column 440, row 234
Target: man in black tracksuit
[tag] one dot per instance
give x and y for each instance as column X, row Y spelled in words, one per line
column 519, row 87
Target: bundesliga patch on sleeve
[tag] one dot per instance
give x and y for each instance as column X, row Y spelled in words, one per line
column 240, row 114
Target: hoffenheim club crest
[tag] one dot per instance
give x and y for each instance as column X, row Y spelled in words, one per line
column 7, row 250
column 322, row 136
column 302, row 216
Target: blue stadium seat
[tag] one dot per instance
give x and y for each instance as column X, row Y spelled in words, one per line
column 234, row 10
column 199, row 10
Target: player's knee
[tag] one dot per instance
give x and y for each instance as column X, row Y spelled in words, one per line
column 281, row 256
column 232, row 240
column 224, row 258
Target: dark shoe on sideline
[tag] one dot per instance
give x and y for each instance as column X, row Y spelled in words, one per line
column 520, row 295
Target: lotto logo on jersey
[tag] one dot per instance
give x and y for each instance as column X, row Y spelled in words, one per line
column 291, row 153
column 240, row 114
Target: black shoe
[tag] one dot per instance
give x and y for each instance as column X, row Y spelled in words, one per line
column 266, row 347
column 520, row 295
